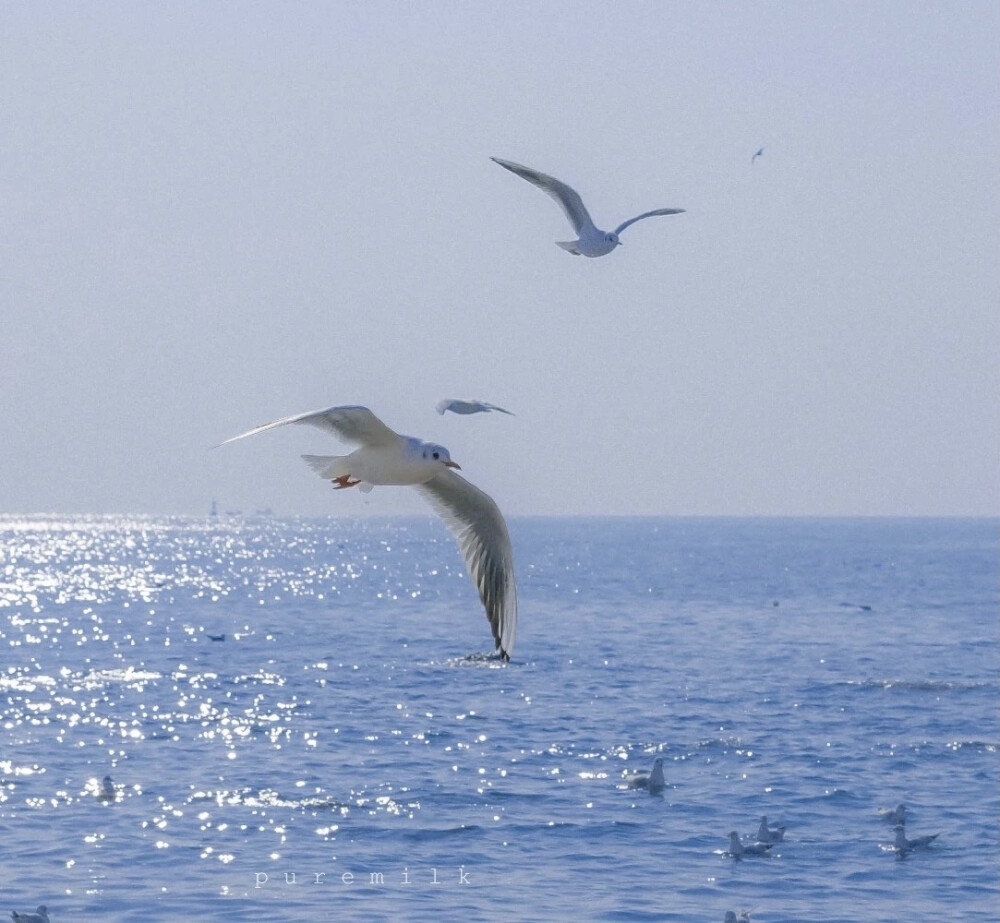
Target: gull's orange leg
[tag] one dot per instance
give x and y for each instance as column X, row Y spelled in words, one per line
column 343, row 481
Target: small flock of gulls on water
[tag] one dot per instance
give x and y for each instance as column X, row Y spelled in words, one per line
column 653, row 782
column 384, row 457
column 761, row 843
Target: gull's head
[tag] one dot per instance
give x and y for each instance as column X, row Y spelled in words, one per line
column 438, row 453
column 612, row 238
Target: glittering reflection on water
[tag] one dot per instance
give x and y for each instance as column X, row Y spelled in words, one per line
column 277, row 699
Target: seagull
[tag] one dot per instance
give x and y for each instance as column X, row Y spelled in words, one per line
column 767, row 834
column 107, row 792
column 465, row 407
column 757, row 154
column 592, row 240
column 41, row 915
column 385, row 457
column 651, row 781
column 903, row 846
column 896, row 815
column 738, row 850
column 744, row 916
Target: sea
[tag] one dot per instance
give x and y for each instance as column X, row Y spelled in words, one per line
column 301, row 720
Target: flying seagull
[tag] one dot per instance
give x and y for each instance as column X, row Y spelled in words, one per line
column 592, row 240
column 385, row 457
column 652, row 781
column 465, row 407
column 756, row 154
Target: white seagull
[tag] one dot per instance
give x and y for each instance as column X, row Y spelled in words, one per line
column 385, row 457
column 903, row 846
column 738, row 850
column 652, row 781
column 465, row 407
column 41, row 915
column 107, row 792
column 592, row 240
column 767, row 834
column 896, row 815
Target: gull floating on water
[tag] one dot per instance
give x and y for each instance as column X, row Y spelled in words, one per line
column 738, row 850
column 41, row 915
column 743, row 917
column 385, row 457
column 107, row 792
column 464, row 407
column 896, row 815
column 652, row 781
column 592, row 240
column 902, row 845
column 767, row 834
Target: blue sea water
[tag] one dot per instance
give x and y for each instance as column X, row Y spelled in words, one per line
column 344, row 754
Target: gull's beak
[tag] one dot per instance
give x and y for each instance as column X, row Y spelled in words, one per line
column 451, row 464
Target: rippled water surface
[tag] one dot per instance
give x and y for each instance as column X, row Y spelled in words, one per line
column 345, row 752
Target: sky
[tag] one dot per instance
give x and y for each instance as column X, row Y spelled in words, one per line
column 217, row 214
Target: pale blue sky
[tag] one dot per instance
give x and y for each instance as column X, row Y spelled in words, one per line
column 215, row 214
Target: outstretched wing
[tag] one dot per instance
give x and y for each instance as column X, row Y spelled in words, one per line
column 565, row 196
column 350, row 423
column 657, row 211
column 479, row 528
column 466, row 407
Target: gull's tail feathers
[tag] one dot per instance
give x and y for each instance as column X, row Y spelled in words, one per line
column 572, row 246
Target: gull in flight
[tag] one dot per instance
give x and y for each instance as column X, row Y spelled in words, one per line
column 767, row 834
column 464, row 407
column 758, row 153
column 652, row 781
column 385, row 457
column 592, row 240
column 738, row 850
column 903, row 846
column 41, row 915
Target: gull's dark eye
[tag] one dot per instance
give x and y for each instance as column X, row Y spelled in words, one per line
column 437, row 454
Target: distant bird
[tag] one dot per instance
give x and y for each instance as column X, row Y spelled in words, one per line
column 465, row 407
column 767, row 834
column 592, row 240
column 41, row 915
column 385, row 457
column 743, row 917
column 903, row 846
column 757, row 154
column 652, row 781
column 738, row 850
column 221, row 637
column 107, row 792
column 896, row 815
